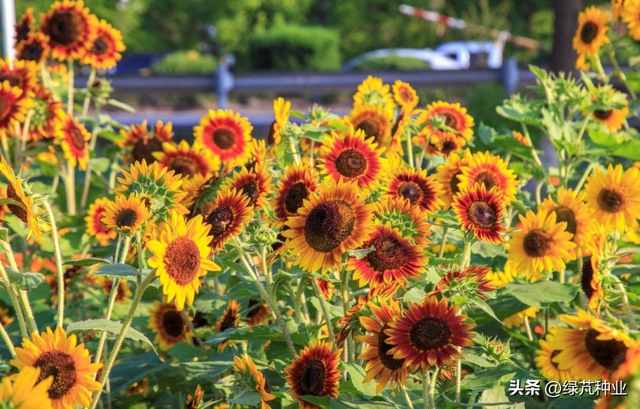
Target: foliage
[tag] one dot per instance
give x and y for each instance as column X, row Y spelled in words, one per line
column 185, row 62
column 393, row 63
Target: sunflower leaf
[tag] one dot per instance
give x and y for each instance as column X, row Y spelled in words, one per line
column 357, row 374
column 7, row 201
column 85, row 262
column 542, row 293
column 114, row 327
column 482, row 304
column 24, row 281
column 118, row 270
column 246, row 398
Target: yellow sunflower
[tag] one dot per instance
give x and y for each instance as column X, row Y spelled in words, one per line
column 592, row 31
column 126, row 215
column 613, row 119
column 631, row 15
column 68, row 362
column 374, row 121
column 26, row 390
column 454, row 116
column 106, row 49
column 95, row 226
column 490, row 170
column 405, row 96
column 169, row 325
column 281, row 109
column 13, row 108
column 35, row 48
column 372, row 91
column 615, row 197
column 246, row 372
column 545, row 360
column 333, row 221
column 74, row 139
column 27, row 213
column 226, row 135
column 181, row 256
column 571, row 209
column 449, row 175
column 542, row 245
column 186, row 160
column 71, row 29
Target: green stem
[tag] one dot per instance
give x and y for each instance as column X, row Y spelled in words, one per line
column 313, row 146
column 5, row 150
column 70, row 189
column 585, row 175
column 294, row 151
column 527, row 325
column 14, row 300
column 466, row 252
column 426, row 387
column 118, row 344
column 59, row 269
column 7, row 341
column 70, row 89
column 344, row 290
column 619, row 72
column 458, row 377
column 23, row 299
column 627, row 307
column 25, row 130
column 434, row 382
column 92, row 148
column 409, row 150
column 444, row 240
column 407, row 397
column 323, row 306
column 87, row 99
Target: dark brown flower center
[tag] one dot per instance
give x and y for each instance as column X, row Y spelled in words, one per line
column 536, row 243
column 250, row 190
column 312, row 378
column 585, row 279
column 589, row 32
column 31, row 52
column 65, row 28
column 553, row 355
column 486, row 178
column 610, row 353
column 387, row 360
column 602, row 115
column 126, row 218
column 565, row 214
column 22, row 30
column 351, row 163
column 295, row 196
column 224, row 138
column 253, row 308
column 482, row 214
column 271, row 136
column 16, row 210
column 14, row 79
column 184, row 166
column 389, row 254
column 370, row 127
column 5, row 107
column 454, row 182
column 100, row 46
column 450, row 120
column 448, row 147
column 63, row 370
column 173, row 323
column 228, row 320
column 430, row 333
column 220, row 220
column 411, row 191
column 329, row 224
column 145, row 148
column 182, row 260
column 281, row 240
column 76, row 138
column 405, row 95
column 610, row 201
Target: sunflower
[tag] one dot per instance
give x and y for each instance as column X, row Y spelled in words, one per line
column 410, row 220
column 615, row 197
column 35, row 48
column 373, row 120
column 326, row 287
column 453, row 115
column 299, row 181
column 226, row 135
column 393, row 259
column 444, row 144
column 141, row 144
column 123, row 292
column 28, row 212
column 71, row 29
column 613, row 119
column 405, row 96
column 583, row 62
column 194, row 187
column 229, row 212
column 380, row 365
column 631, row 15
column 248, row 375
column 257, row 312
column 372, row 91
column 180, row 257
column 12, row 108
column 60, row 356
column 592, row 31
column 542, row 245
column 169, row 325
column 572, row 210
column 545, row 360
column 126, row 215
column 95, row 226
column 618, row 6
column 428, row 334
column 21, row 74
column 74, row 139
column 5, row 318
column 480, row 210
column 106, row 49
column 25, row 25
column 490, row 170
column 230, row 319
column 281, row 109
column 26, row 390
column 449, row 175
column 46, row 111
column 152, row 182
column 333, row 221
column 591, row 349
column 314, row 372
column 257, row 154
column 473, row 279
column 590, row 283
column 351, row 157
column 254, row 185
column 414, row 185
column 186, row 160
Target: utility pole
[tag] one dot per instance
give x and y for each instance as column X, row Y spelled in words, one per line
column 8, row 24
column 563, row 57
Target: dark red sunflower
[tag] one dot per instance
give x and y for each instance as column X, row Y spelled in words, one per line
column 253, row 184
column 298, row 182
column 106, row 49
column 230, row 319
column 142, row 145
column 71, row 29
column 428, row 334
column 257, row 312
column 481, row 211
column 420, row 189
column 35, row 48
column 350, row 319
column 314, row 373
column 21, row 74
column 394, row 259
column 24, row 26
column 229, row 211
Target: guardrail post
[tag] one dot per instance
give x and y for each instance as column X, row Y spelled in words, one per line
column 224, row 80
column 510, row 75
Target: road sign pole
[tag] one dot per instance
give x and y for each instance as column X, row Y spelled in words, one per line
column 8, row 24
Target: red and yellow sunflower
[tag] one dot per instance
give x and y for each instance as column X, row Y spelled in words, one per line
column 35, row 48
column 25, row 25
column 226, row 135
column 47, row 109
column 12, row 108
column 449, row 175
column 414, row 185
column 454, row 117
column 21, row 74
column 374, row 121
column 490, row 170
column 281, row 109
column 299, row 181
column 253, row 184
column 226, row 216
column 74, row 139
column 169, row 324
column 185, row 160
column 106, row 49
column 230, row 319
column 480, row 210
column 71, row 29
column 95, row 226
column 142, row 145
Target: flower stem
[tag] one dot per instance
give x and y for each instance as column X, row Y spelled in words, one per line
column 294, row 151
column 7, row 341
column 5, row 150
column 445, row 230
column 323, row 306
column 70, row 189
column 70, row 89
column 585, row 175
column 87, row 99
column 23, row 299
column 627, row 307
column 92, row 147
column 14, row 300
column 458, row 376
column 466, row 252
column 426, row 387
column 410, row 150
column 313, row 146
column 527, row 325
column 434, row 382
column 59, row 269
column 407, row 397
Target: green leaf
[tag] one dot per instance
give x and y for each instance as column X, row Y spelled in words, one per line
column 90, row 261
column 357, row 374
column 121, row 105
column 482, row 304
column 118, row 270
column 247, row 398
column 477, row 360
column 486, row 250
column 542, row 293
column 323, row 402
column 114, row 327
column 489, row 377
column 415, row 295
column 347, row 404
column 24, row 281
column 495, row 395
column 12, row 202
column 361, row 253
column 100, row 165
column 617, row 144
